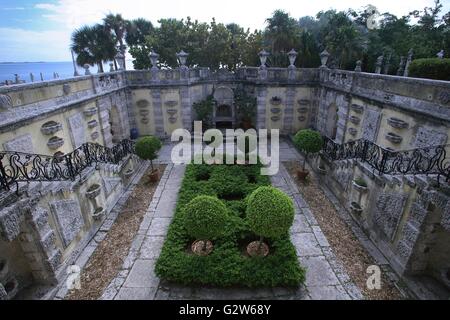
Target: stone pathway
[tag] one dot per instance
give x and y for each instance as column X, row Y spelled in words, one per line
column 325, row 278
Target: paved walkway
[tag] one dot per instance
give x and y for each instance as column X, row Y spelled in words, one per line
column 325, row 278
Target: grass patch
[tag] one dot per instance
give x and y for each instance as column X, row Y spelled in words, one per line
column 228, row 265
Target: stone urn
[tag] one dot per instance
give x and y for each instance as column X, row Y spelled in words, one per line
column 128, row 173
column 321, row 170
column 93, row 191
column 55, row 143
column 51, row 127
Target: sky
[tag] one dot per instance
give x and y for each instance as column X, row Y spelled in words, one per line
column 40, row 30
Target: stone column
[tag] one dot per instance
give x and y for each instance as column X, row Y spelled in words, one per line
column 401, row 68
column 261, row 107
column 379, row 64
column 289, row 110
column 186, row 107
column 158, row 113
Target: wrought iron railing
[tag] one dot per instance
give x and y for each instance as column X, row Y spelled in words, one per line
column 18, row 167
column 430, row 160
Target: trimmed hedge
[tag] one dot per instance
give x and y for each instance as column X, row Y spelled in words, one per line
column 227, row 265
column 433, row 68
column 205, row 217
column 270, row 212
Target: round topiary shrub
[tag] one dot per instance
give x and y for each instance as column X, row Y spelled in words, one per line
column 270, row 213
column 308, row 141
column 205, row 218
column 147, row 148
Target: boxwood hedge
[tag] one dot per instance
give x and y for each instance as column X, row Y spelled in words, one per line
column 227, row 265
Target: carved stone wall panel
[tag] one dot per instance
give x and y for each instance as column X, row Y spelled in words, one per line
column 388, row 212
column 76, row 126
column 68, row 216
column 371, row 125
column 426, row 137
column 20, row 144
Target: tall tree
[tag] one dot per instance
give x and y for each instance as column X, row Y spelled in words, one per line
column 93, row 45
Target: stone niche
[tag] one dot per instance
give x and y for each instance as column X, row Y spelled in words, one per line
column 388, row 212
column 68, row 217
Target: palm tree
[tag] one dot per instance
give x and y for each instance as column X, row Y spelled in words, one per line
column 137, row 30
column 93, row 45
column 116, row 25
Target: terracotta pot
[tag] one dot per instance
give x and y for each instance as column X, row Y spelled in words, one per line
column 198, row 248
column 154, row 175
column 301, row 175
column 257, row 249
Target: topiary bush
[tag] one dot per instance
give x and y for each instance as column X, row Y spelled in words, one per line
column 205, row 217
column 433, row 68
column 308, row 141
column 270, row 212
column 147, row 148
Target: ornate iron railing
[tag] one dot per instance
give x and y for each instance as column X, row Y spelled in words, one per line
column 430, row 160
column 18, row 167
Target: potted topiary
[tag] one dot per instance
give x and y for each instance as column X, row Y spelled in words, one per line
column 308, row 141
column 204, row 218
column 147, row 149
column 270, row 214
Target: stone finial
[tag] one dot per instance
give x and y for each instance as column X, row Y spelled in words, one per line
column 154, row 59
column 358, row 66
column 324, row 55
column 387, row 64
column 263, row 55
column 87, row 72
column 440, row 54
column 182, row 58
column 401, row 66
column 292, row 55
column 32, row 77
column 379, row 64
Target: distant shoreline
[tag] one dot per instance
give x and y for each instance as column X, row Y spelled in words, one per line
column 28, row 62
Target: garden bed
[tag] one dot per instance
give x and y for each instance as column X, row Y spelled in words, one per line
column 228, row 264
column 107, row 259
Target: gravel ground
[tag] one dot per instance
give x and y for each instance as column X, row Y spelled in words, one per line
column 344, row 243
column 106, row 261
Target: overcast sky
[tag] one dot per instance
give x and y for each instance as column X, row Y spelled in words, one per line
column 39, row 30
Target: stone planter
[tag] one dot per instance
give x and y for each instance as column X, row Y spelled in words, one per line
column 276, row 101
column 128, row 173
column 303, row 102
column 321, row 170
column 173, row 120
column 145, row 120
column 275, row 110
column 142, row 104
column 360, row 188
column 301, row 118
column 51, row 127
column 95, row 135
column 275, row 118
column 144, row 112
column 55, row 143
column 4, row 268
column 92, row 124
column 355, row 120
column 397, row 123
column 357, row 108
column 171, row 104
column 98, row 214
column 90, row 112
column 394, row 138
column 302, row 110
column 172, row 112
column 353, row 131
column 356, row 208
column 93, row 191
